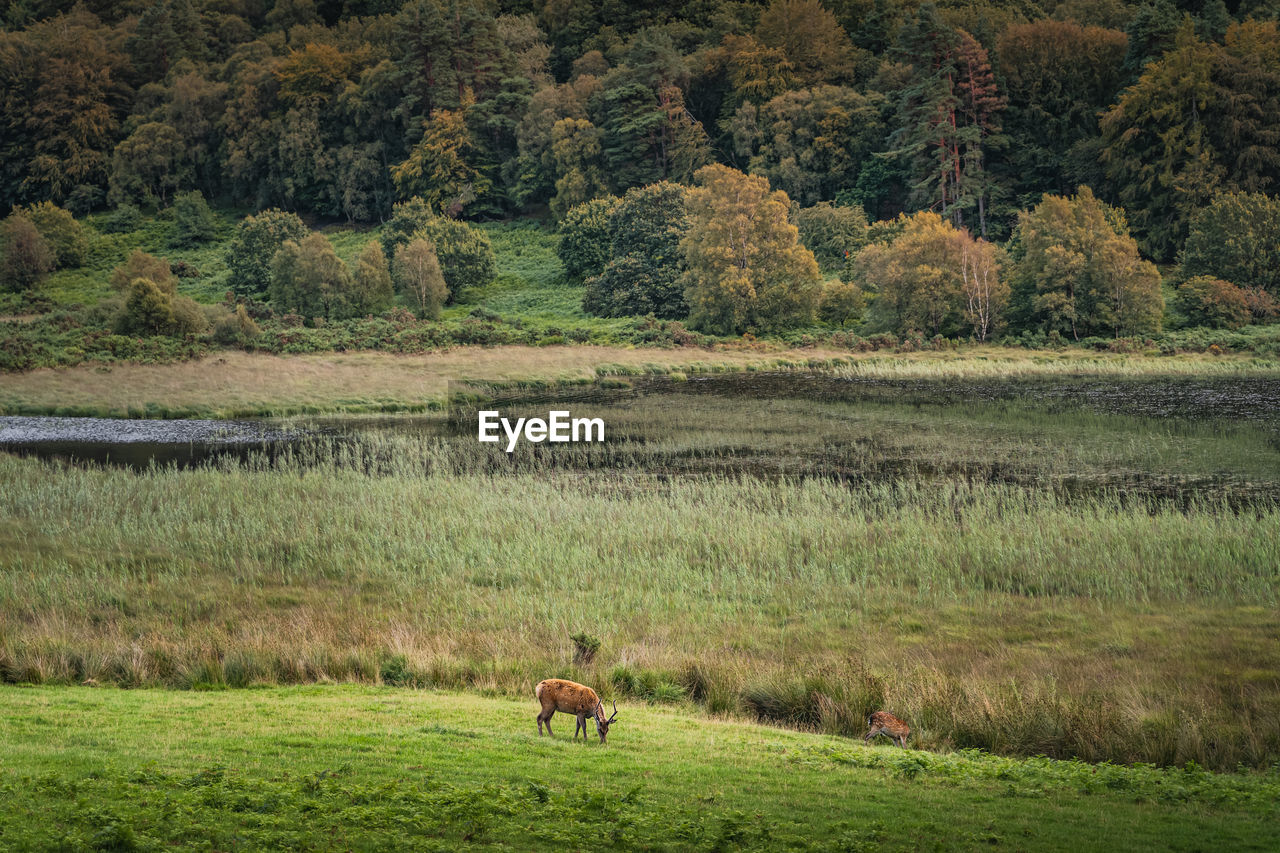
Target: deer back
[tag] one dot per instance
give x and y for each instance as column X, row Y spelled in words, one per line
column 568, row 697
column 887, row 722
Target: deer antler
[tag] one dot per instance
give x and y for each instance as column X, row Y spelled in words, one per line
column 615, row 711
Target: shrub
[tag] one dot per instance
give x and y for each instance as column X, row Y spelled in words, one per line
column 585, row 238
column 148, row 309
column 235, row 328
column 141, row 265
column 67, row 238
column 126, row 217
column 647, row 684
column 193, row 221
column 25, row 256
column 1208, row 301
column 585, row 647
column 395, row 672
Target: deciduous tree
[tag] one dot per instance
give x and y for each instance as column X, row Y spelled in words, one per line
column 1078, row 271
column 371, row 290
column 255, row 243
column 419, row 277
column 309, row 278
column 643, row 273
column 745, row 266
column 1236, row 237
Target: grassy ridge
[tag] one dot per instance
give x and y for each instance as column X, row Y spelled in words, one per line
column 992, row 617
column 363, row 768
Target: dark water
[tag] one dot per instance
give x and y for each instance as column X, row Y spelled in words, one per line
column 856, row 430
column 140, row 443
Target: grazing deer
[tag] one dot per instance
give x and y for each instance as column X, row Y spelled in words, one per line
column 884, row 723
column 557, row 694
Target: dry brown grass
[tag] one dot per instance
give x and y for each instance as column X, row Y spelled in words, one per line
column 233, row 383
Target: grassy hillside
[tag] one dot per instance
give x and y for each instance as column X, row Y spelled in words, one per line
column 358, row 768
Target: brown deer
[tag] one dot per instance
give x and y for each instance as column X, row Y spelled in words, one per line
column 557, row 694
column 884, row 723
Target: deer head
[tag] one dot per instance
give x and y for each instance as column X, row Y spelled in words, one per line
column 602, row 725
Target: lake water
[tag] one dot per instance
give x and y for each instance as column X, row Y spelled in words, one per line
column 1177, row 438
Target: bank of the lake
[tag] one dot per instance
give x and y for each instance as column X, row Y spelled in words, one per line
column 239, row 384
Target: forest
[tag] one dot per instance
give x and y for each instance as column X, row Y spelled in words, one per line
column 986, row 171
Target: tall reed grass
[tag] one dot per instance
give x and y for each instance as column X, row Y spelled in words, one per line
column 990, row 616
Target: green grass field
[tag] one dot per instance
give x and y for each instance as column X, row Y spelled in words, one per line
column 360, row 768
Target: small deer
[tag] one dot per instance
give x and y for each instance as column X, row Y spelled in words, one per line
column 557, row 694
column 884, row 723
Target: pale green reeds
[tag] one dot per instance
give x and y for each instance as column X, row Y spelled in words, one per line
column 991, row 616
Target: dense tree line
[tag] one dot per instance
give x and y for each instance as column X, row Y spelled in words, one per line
column 987, row 116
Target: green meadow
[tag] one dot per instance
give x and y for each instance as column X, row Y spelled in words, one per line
column 366, row 768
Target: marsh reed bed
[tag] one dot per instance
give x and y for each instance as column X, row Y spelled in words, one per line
column 1014, row 619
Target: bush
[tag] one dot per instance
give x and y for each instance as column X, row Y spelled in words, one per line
column 585, row 647
column 141, row 265
column 1208, row 301
column 585, row 238
column 148, row 309
column 67, row 238
column 235, row 328
column 255, row 243
column 657, row 686
column 126, row 217
column 25, row 256
column 395, row 672
column 193, row 221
